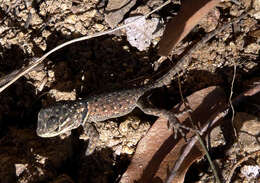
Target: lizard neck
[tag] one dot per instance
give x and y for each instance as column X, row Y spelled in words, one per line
column 85, row 114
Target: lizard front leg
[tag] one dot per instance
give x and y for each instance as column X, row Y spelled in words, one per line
column 173, row 122
column 90, row 133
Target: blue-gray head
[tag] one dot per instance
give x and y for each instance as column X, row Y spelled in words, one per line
column 61, row 117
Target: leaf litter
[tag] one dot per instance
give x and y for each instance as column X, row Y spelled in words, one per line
column 141, row 33
column 143, row 45
column 158, row 150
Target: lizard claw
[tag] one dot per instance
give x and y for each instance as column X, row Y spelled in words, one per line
column 177, row 127
column 91, row 144
column 91, row 147
column 90, row 134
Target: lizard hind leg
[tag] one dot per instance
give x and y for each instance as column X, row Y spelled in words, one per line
column 90, row 133
column 173, row 122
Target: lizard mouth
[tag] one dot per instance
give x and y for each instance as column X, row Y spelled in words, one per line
column 43, row 131
column 57, row 131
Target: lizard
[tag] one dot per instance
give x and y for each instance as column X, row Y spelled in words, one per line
column 64, row 116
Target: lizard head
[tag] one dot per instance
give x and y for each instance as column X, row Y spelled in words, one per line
column 60, row 118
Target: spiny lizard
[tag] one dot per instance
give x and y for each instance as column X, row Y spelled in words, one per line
column 67, row 115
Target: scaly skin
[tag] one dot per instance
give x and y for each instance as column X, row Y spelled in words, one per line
column 67, row 115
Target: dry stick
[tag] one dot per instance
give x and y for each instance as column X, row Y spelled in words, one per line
column 40, row 60
column 220, row 115
column 236, row 2
column 192, row 143
column 214, row 170
column 230, row 99
column 37, row 62
column 199, row 138
column 211, row 122
column 239, row 163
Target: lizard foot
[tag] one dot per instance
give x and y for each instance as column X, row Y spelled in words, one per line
column 177, row 127
column 91, row 134
column 173, row 122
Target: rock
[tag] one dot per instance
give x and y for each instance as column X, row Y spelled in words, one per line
column 116, row 10
column 250, row 172
column 122, row 138
column 216, row 137
column 248, row 127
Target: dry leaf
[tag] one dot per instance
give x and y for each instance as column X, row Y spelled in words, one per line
column 141, row 33
column 190, row 14
column 158, row 150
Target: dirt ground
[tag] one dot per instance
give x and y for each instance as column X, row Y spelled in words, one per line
column 28, row 29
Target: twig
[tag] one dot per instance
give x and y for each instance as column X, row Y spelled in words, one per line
column 211, row 122
column 230, row 98
column 184, row 103
column 239, row 163
column 214, row 170
column 160, row 7
column 40, row 60
column 236, row 2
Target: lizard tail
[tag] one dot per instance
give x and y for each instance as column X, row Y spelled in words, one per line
column 179, row 66
column 185, row 59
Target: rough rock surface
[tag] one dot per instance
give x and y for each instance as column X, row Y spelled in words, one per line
column 116, row 10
